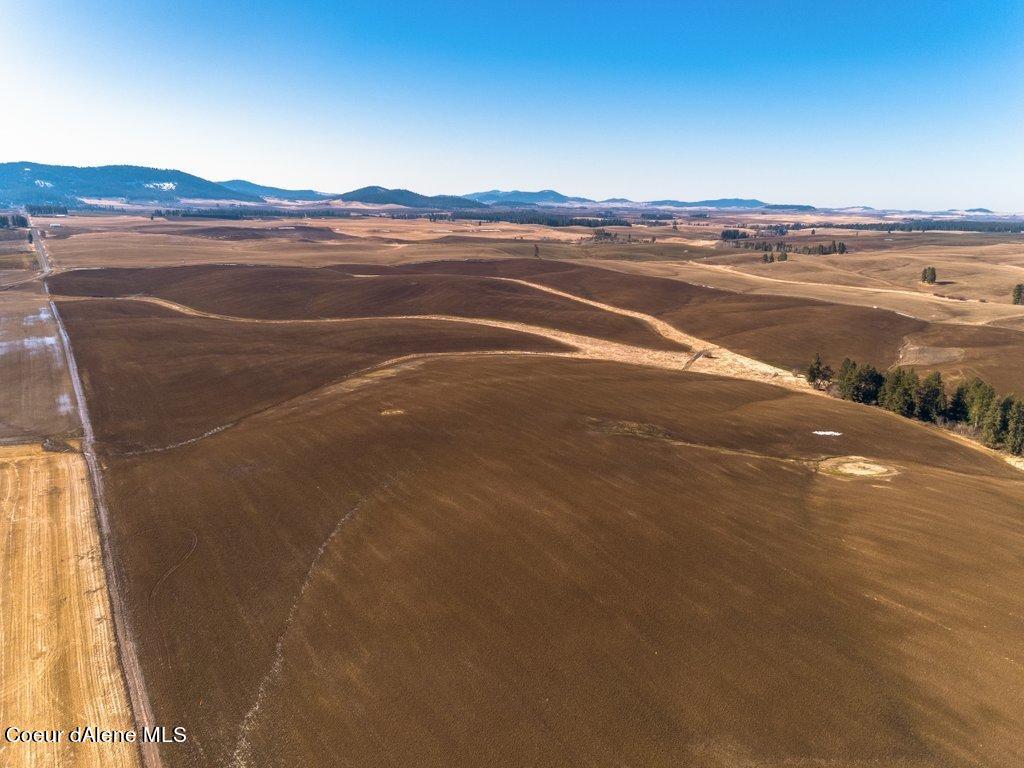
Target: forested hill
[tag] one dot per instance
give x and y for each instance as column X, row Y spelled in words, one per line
column 24, row 183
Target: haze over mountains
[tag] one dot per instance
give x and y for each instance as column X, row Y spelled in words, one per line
column 28, row 183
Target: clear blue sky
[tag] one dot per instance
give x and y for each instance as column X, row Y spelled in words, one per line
column 900, row 104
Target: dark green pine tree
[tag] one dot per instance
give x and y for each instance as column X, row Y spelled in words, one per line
column 1018, row 293
column 897, row 392
column 818, row 372
column 993, row 424
column 1015, row 428
column 846, row 380
column 930, row 398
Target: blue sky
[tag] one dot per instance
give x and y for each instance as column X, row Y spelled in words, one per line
column 887, row 104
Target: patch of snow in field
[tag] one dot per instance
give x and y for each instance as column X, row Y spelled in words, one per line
column 32, row 344
column 41, row 317
column 43, row 184
column 166, row 186
column 827, row 433
column 64, row 404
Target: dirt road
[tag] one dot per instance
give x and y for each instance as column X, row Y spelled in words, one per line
column 916, row 304
column 705, row 357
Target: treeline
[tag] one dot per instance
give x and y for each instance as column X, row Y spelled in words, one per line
column 974, row 406
column 238, row 214
column 821, row 249
column 543, row 219
column 10, row 220
column 47, row 210
column 604, row 236
column 779, row 247
column 922, row 225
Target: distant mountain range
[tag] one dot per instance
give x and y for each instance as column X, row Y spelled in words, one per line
column 515, row 196
column 28, row 183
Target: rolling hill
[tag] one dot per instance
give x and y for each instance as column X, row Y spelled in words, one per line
column 24, row 183
column 275, row 193
column 544, row 196
column 721, row 202
column 384, row 196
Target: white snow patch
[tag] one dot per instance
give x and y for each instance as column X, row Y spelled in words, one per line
column 827, row 433
column 166, row 186
column 43, row 184
column 41, row 317
column 32, row 344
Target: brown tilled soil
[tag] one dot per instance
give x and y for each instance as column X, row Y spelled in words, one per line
column 518, row 559
column 551, row 562
column 158, row 378
column 295, row 293
column 782, row 330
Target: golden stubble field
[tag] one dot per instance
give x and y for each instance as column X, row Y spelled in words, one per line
column 58, row 659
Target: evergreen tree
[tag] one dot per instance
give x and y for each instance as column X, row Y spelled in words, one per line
column 956, row 410
column 928, row 275
column 897, row 392
column 977, row 396
column 1018, row 293
column 930, row 398
column 867, row 383
column 993, row 424
column 1015, row 428
column 845, row 380
column 818, row 372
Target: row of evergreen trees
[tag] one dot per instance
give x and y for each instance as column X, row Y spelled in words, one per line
column 780, row 247
column 974, row 404
column 46, row 210
column 768, row 258
column 10, row 220
column 769, row 246
column 823, row 249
